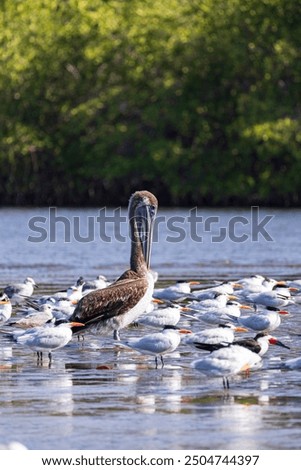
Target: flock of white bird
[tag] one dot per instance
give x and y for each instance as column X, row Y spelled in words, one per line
column 214, row 316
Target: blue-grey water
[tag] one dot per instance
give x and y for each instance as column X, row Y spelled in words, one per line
column 58, row 245
column 98, row 396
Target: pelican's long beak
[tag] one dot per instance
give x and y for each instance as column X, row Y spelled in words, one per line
column 145, row 217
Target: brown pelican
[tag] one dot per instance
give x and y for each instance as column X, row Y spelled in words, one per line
column 120, row 304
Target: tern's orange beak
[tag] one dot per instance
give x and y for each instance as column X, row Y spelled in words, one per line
column 281, row 284
column 186, row 309
column 183, row 331
column 241, row 329
column 158, row 301
column 194, row 283
column 246, row 307
column 293, row 289
column 76, row 323
column 232, row 297
column 283, row 312
column 4, row 302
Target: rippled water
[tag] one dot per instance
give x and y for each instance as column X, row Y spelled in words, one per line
column 176, row 251
column 96, row 395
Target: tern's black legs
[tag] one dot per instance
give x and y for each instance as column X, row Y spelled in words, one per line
column 156, row 361
column 40, row 358
column 226, row 383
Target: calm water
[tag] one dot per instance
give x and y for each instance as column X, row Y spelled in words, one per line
column 97, row 396
column 95, row 248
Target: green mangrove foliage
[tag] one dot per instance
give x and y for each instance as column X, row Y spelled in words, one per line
column 197, row 100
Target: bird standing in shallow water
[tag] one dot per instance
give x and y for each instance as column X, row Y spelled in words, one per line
column 158, row 344
column 18, row 292
column 169, row 314
column 259, row 344
column 5, row 309
column 266, row 321
column 99, row 283
column 48, row 338
column 120, row 304
column 227, row 361
column 179, row 291
column 223, row 333
column 35, row 318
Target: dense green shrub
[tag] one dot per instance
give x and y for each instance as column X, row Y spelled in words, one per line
column 197, row 100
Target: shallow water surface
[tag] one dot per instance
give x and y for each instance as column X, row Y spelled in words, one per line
column 219, row 244
column 97, row 395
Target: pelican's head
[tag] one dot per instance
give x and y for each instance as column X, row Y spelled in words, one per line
column 142, row 212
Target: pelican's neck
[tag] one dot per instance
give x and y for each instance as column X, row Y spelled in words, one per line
column 137, row 261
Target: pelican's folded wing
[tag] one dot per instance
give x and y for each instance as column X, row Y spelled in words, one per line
column 114, row 300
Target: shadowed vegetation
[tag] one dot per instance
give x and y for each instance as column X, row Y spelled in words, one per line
column 198, row 101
